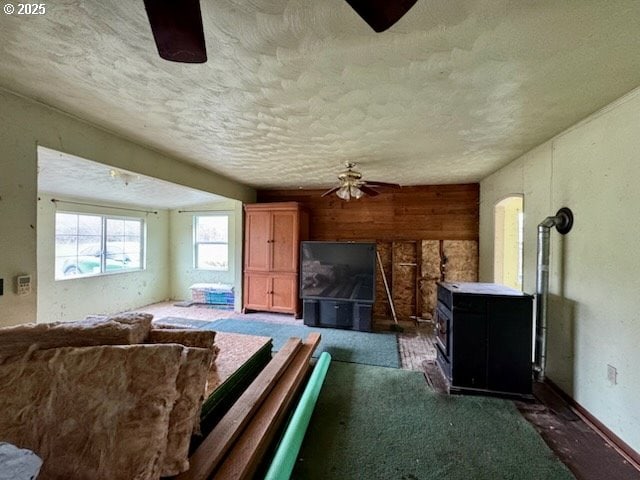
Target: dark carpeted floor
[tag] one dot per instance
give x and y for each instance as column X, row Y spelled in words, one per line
column 344, row 345
column 381, row 423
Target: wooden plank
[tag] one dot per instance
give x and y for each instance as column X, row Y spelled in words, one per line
column 403, row 279
column 212, row 449
column 430, row 275
column 250, row 448
column 418, row 297
column 381, row 307
column 431, row 212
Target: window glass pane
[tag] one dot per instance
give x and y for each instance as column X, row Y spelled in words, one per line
column 132, row 261
column 213, row 256
column 83, row 248
column 212, row 229
column 66, row 224
column 89, row 245
column 89, row 225
column 132, row 228
column 131, row 243
column 66, row 266
column 66, row 245
column 115, row 226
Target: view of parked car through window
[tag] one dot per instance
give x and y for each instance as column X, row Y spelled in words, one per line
column 97, row 244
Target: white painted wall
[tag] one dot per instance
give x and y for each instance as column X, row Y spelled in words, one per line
column 25, row 124
column 594, row 314
column 73, row 299
column 182, row 252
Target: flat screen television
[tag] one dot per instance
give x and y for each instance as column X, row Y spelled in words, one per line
column 338, row 271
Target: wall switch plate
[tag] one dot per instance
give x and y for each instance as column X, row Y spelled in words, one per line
column 612, row 374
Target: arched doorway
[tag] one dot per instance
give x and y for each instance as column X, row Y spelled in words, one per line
column 508, row 238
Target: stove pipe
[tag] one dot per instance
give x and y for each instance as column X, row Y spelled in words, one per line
column 563, row 221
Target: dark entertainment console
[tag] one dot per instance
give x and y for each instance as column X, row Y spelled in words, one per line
column 484, row 338
column 337, row 284
column 337, row 314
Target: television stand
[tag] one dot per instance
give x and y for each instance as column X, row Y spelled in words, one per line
column 337, row 313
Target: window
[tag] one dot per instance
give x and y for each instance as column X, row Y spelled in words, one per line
column 97, row 244
column 211, row 242
column 508, row 241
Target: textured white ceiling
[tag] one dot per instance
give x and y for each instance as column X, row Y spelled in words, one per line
column 70, row 176
column 293, row 88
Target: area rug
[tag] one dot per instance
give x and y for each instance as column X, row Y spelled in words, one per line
column 382, row 423
column 379, row 349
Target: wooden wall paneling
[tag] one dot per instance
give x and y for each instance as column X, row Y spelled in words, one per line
column 461, row 260
column 430, row 268
column 381, row 307
column 432, row 212
column 404, row 279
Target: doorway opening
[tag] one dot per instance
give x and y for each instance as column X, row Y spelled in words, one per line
column 508, row 241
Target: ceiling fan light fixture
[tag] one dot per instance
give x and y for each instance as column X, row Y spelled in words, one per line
column 351, row 185
column 125, row 177
column 355, row 192
column 344, row 193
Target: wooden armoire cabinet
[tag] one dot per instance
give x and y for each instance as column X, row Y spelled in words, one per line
column 272, row 236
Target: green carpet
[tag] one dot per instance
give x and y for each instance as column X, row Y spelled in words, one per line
column 344, row 345
column 381, row 423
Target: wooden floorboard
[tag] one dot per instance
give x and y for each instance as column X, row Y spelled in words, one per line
column 581, row 449
column 577, row 445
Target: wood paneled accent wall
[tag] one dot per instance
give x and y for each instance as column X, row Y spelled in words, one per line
column 433, row 212
column 423, row 234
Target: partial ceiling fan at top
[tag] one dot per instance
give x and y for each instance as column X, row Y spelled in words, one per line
column 179, row 34
column 351, row 185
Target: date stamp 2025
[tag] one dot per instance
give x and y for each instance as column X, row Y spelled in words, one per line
column 25, row 8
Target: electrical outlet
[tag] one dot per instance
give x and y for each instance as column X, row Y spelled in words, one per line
column 612, row 374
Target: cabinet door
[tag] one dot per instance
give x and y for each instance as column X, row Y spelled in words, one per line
column 284, row 241
column 257, row 241
column 257, row 291
column 283, row 296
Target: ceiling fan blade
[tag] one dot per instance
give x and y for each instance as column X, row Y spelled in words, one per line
column 381, row 14
column 382, row 184
column 177, row 29
column 329, row 192
column 368, row 190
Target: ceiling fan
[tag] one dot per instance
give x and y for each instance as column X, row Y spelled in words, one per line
column 179, row 35
column 353, row 186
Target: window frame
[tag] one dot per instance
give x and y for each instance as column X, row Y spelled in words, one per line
column 196, row 243
column 104, row 217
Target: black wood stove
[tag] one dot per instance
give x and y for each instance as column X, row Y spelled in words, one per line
column 484, row 338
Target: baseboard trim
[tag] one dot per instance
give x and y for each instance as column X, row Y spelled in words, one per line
column 616, row 442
